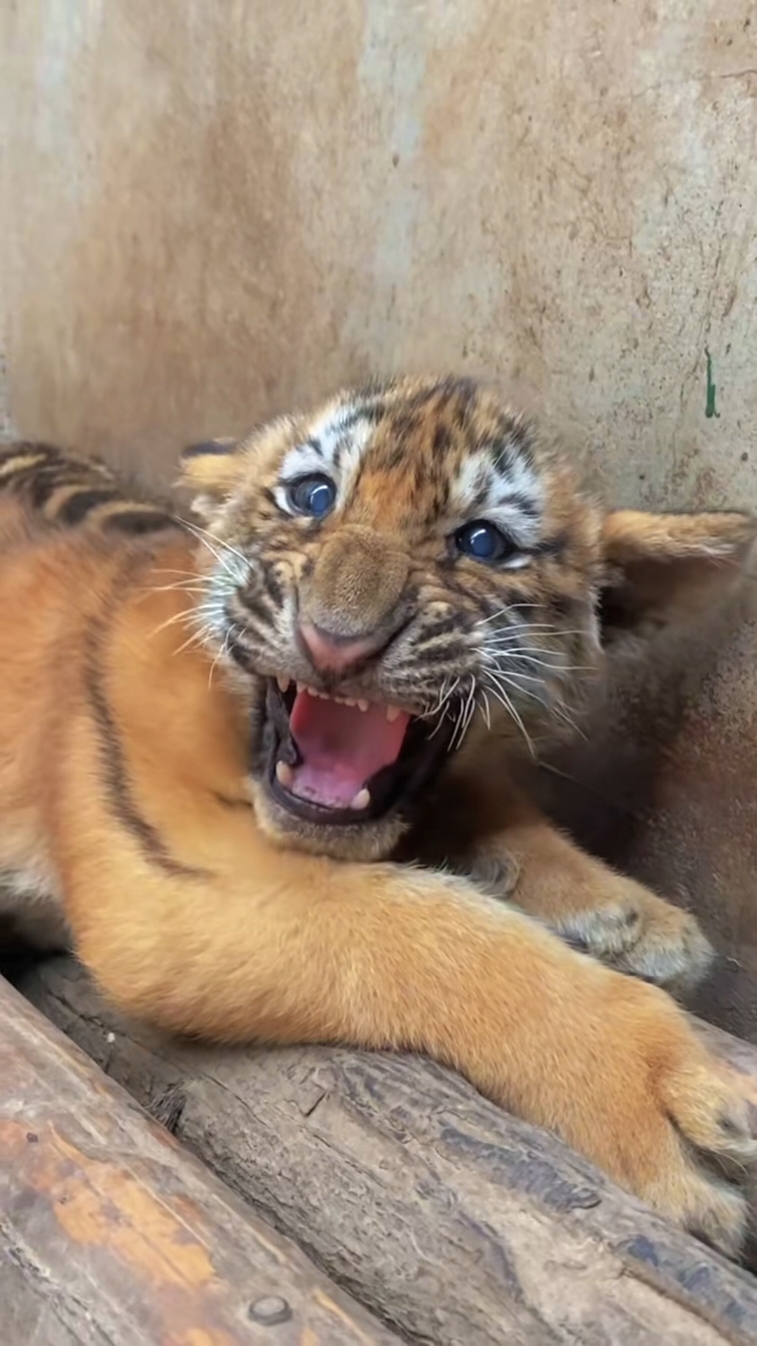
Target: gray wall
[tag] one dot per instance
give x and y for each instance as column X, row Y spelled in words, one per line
column 210, row 211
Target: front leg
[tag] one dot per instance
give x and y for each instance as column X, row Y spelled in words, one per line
column 612, row 917
column 289, row 948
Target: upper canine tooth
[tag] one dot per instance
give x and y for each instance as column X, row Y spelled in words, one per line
column 283, row 683
column 362, row 705
column 302, row 687
column 392, row 712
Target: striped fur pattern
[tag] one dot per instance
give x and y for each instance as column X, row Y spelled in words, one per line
column 412, row 463
column 63, row 489
column 142, row 806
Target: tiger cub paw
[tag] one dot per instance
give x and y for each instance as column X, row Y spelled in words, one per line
column 669, row 1121
column 639, row 933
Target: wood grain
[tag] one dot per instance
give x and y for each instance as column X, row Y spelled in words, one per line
column 459, row 1224
column 113, row 1234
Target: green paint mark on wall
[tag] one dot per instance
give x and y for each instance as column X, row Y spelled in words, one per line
column 710, row 409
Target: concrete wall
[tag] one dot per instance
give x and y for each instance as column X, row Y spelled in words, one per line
column 212, row 211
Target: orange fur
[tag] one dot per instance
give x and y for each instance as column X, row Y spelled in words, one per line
column 130, row 801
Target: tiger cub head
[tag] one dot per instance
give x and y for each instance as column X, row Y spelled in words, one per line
column 406, row 568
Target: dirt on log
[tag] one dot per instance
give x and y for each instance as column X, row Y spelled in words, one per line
column 112, row 1234
column 456, row 1223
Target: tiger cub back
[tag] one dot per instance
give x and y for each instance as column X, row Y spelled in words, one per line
column 65, row 490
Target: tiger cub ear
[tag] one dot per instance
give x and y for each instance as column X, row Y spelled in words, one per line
column 664, row 569
column 210, row 471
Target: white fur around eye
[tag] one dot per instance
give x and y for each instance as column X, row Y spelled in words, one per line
column 299, row 462
column 510, row 498
column 517, row 562
column 342, row 441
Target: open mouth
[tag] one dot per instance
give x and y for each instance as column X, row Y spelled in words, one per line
column 337, row 760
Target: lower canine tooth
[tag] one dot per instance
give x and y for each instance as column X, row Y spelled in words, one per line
column 362, row 799
column 285, row 775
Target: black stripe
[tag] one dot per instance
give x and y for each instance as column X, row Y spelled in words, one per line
column 442, row 439
column 272, row 586
column 78, row 505
column 123, row 806
column 138, row 521
column 372, row 411
column 255, row 605
column 523, row 503
column 43, row 481
column 521, row 436
column 207, row 447
column 27, row 473
column 441, row 626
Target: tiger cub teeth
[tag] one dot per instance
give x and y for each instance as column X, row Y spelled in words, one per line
column 324, row 696
column 392, row 712
column 362, row 799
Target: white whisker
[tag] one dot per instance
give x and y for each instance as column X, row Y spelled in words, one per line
column 200, row 637
column 181, row 586
column 520, row 607
column 222, row 560
column 185, row 615
column 221, row 653
column 486, row 709
column 187, row 574
column 203, row 533
column 499, row 692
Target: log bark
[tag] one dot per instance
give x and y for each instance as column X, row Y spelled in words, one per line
column 458, row 1224
column 113, row 1234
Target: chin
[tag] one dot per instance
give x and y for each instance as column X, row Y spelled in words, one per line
column 340, row 777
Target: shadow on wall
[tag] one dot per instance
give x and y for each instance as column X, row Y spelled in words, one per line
column 664, row 787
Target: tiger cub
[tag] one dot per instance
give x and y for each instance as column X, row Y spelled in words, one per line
column 247, row 761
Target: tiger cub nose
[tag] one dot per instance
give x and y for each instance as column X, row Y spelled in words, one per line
column 336, row 654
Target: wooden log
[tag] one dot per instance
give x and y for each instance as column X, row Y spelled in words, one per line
column 456, row 1223
column 112, row 1234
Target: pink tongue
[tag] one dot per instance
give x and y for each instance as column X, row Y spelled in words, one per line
column 341, row 748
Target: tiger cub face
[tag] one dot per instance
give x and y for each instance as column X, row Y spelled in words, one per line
column 408, row 562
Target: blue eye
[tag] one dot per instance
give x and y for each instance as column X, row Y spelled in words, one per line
column 313, row 495
column 483, row 541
